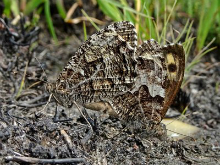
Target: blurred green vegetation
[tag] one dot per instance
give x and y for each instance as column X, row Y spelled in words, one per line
column 207, row 15
column 155, row 16
column 165, row 21
column 160, row 19
column 34, row 7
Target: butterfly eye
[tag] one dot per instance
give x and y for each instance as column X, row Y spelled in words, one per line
column 61, row 87
column 49, row 87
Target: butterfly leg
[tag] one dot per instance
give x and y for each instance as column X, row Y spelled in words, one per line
column 93, row 123
column 58, row 114
column 102, row 107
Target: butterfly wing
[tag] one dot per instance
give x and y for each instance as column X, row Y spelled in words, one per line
column 102, row 67
column 161, row 71
column 175, row 63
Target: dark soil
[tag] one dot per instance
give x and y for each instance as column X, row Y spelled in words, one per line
column 26, row 129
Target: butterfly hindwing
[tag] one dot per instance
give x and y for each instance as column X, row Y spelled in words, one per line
column 175, row 63
column 161, row 72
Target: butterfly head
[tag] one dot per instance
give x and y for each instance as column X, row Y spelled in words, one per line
column 60, row 93
column 50, row 87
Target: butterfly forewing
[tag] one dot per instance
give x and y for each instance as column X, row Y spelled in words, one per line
column 127, row 31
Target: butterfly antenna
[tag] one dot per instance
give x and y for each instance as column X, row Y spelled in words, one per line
column 42, row 70
column 49, row 99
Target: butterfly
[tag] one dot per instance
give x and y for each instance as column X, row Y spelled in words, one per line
column 110, row 73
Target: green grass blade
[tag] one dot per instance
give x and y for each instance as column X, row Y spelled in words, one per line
column 90, row 20
column 32, row 5
column 49, row 20
column 127, row 14
column 110, row 10
column 84, row 30
column 166, row 21
column 190, row 7
column 183, row 31
column 7, row 8
column 188, row 45
column 197, row 59
column 149, row 22
column 189, row 31
column 22, row 81
column 157, row 32
column 15, row 8
column 61, row 9
column 206, row 21
column 119, row 5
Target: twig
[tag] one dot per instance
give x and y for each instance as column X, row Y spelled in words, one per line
column 33, row 100
column 87, row 137
column 29, row 92
column 67, row 138
column 36, row 160
column 13, row 116
column 30, row 105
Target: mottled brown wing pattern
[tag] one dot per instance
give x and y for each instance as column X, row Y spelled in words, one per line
column 152, row 76
column 127, row 106
column 109, row 71
column 160, row 71
column 148, row 93
column 102, row 67
column 175, row 61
